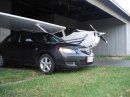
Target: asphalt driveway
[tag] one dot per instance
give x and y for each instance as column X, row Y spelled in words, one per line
column 121, row 63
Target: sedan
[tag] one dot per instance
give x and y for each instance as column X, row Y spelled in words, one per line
column 46, row 51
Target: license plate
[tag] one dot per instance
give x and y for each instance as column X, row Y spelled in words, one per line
column 90, row 59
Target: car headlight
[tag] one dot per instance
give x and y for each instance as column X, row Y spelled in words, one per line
column 66, row 50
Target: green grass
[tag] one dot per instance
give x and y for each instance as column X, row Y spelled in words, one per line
column 127, row 57
column 89, row 82
column 11, row 75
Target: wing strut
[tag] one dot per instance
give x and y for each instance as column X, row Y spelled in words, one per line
column 38, row 25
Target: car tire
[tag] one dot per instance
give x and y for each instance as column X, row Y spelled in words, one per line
column 2, row 62
column 46, row 64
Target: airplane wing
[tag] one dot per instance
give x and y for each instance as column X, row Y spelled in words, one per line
column 15, row 22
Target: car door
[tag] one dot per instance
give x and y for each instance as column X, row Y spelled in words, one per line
column 10, row 48
column 28, row 48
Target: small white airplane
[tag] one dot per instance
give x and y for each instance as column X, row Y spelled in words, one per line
column 83, row 38
column 87, row 39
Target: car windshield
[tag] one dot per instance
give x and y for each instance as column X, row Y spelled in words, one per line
column 40, row 37
column 52, row 39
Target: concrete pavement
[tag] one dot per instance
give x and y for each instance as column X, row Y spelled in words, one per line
column 121, row 63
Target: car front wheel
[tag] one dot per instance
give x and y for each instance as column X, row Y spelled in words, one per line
column 46, row 64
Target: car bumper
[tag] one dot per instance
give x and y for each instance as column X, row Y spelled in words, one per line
column 74, row 61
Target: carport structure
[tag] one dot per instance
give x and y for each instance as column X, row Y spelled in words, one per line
column 104, row 15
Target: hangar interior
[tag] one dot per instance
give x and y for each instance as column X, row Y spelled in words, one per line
column 77, row 14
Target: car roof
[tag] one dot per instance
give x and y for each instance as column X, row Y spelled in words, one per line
column 28, row 32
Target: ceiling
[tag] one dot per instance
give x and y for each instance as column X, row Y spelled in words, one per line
column 79, row 10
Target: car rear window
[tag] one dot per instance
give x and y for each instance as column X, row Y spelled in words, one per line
column 13, row 38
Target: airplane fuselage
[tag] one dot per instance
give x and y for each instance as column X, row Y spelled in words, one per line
column 83, row 38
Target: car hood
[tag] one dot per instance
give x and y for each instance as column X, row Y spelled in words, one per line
column 68, row 45
column 62, row 44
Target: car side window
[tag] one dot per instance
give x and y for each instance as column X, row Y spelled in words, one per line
column 13, row 38
column 26, row 38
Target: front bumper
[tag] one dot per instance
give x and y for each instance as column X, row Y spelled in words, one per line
column 75, row 61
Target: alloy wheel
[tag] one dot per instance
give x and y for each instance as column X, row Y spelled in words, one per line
column 46, row 64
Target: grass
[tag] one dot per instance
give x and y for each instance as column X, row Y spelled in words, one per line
column 11, row 75
column 127, row 57
column 89, row 82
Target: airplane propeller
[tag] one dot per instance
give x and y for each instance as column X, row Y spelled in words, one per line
column 99, row 34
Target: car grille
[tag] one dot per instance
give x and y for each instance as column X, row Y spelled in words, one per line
column 83, row 62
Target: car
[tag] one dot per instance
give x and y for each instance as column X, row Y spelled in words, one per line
column 44, row 50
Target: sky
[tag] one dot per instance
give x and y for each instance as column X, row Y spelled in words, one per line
column 125, row 4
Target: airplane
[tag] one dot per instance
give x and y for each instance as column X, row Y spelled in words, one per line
column 83, row 37
column 87, row 39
